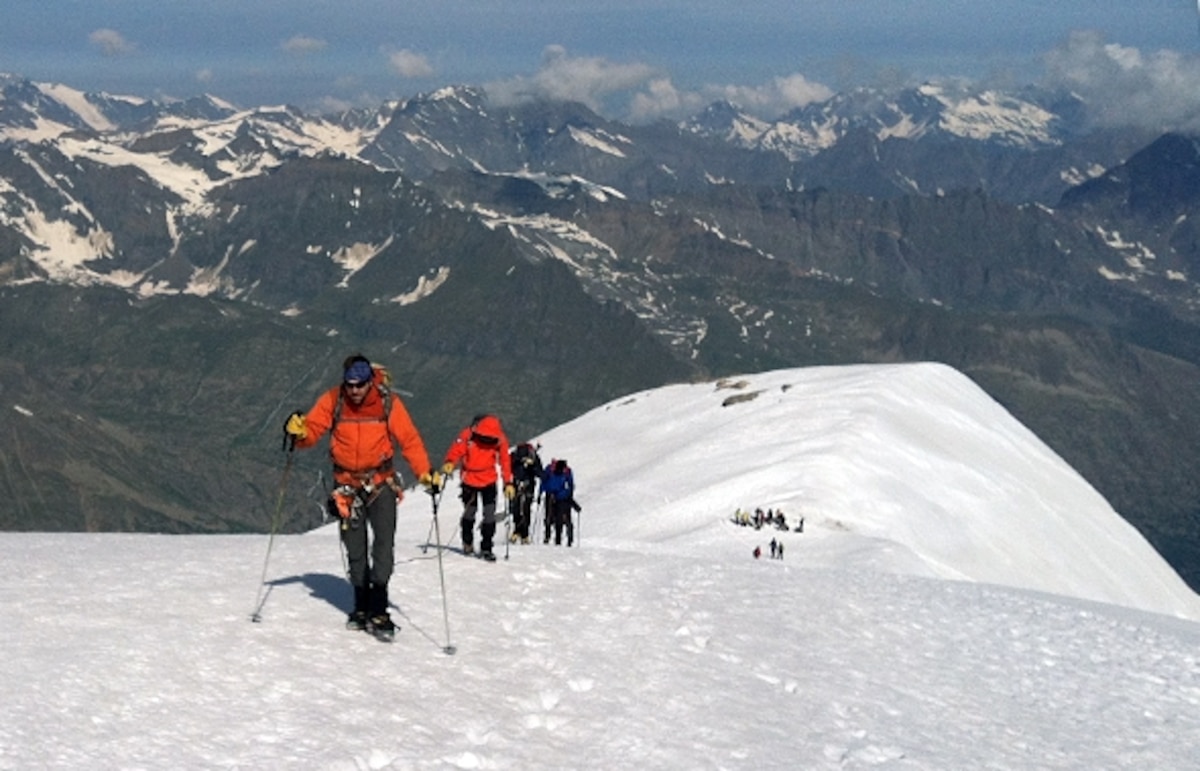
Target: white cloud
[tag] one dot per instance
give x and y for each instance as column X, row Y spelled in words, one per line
column 204, row 75
column 774, row 98
column 588, row 80
column 303, row 45
column 110, row 42
column 661, row 98
column 647, row 93
column 1124, row 86
column 409, row 64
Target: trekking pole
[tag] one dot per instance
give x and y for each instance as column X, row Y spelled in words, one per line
column 261, row 599
column 507, row 527
column 428, row 536
column 435, row 497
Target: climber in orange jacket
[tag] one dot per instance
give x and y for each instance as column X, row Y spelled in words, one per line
column 365, row 421
column 477, row 451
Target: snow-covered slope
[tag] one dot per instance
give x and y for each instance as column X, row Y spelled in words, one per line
column 907, row 468
column 656, row 641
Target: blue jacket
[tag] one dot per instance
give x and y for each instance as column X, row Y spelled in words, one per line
column 558, row 484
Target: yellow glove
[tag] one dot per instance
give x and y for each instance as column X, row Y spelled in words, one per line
column 448, row 468
column 509, row 491
column 432, row 481
column 296, row 425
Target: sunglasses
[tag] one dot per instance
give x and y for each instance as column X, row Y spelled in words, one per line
column 356, row 386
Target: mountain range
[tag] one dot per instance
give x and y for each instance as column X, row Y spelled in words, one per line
column 177, row 277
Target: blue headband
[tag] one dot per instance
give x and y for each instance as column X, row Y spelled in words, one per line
column 358, row 372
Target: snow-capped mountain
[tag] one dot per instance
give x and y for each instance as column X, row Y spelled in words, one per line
column 42, row 111
column 930, row 111
column 176, row 162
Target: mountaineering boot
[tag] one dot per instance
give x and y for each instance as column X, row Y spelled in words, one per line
column 380, row 623
column 357, row 621
column 525, row 540
column 487, row 555
column 468, row 549
column 382, row 626
column 487, row 532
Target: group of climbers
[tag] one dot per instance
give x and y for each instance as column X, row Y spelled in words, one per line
column 771, row 518
column 366, row 422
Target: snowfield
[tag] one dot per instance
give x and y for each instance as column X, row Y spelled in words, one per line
column 959, row 598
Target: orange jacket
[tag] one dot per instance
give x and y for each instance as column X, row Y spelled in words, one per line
column 361, row 442
column 478, row 459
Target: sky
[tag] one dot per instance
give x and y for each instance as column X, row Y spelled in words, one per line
column 632, row 59
column 958, row 598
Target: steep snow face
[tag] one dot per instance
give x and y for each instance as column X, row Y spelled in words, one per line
column 79, row 104
column 906, row 468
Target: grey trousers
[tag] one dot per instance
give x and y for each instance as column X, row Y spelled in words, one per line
column 471, row 498
column 380, row 516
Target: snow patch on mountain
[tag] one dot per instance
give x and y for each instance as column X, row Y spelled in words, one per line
column 426, row 286
column 78, row 103
column 188, row 183
column 209, row 281
column 542, row 224
column 420, row 139
column 281, row 128
column 62, row 251
column 715, row 230
column 598, row 140
column 467, row 97
column 42, row 130
column 990, row 115
column 1076, row 176
column 560, row 186
column 355, row 257
column 1139, row 260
